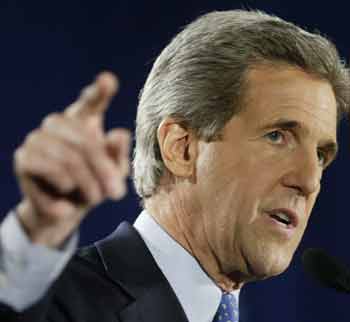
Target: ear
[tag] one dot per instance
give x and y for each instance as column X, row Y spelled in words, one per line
column 178, row 147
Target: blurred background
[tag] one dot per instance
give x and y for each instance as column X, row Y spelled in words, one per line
column 50, row 50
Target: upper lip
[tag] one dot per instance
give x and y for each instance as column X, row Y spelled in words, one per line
column 292, row 215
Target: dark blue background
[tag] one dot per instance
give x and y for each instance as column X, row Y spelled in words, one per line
column 49, row 50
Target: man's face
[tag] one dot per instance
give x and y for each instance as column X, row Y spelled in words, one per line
column 257, row 186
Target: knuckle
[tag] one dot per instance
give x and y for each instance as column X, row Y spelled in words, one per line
column 89, row 142
column 95, row 156
column 18, row 154
column 94, row 196
column 32, row 137
column 18, row 159
column 24, row 162
column 80, row 173
column 51, row 119
column 73, row 160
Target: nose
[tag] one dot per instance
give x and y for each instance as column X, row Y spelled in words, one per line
column 304, row 173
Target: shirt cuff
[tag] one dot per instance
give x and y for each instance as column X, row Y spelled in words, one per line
column 27, row 270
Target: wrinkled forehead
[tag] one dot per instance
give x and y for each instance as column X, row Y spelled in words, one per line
column 287, row 92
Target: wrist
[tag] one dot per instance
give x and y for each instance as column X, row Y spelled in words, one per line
column 52, row 235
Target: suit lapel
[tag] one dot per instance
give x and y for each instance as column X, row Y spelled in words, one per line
column 129, row 263
column 158, row 304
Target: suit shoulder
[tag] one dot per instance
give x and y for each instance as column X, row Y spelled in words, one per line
column 86, row 284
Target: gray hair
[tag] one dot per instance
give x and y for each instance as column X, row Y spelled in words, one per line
column 198, row 79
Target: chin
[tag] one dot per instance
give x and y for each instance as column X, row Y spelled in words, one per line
column 263, row 267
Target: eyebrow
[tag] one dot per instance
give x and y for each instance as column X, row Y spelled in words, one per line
column 328, row 146
column 283, row 124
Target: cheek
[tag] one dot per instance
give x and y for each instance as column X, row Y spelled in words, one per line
column 234, row 192
column 231, row 217
column 310, row 203
column 225, row 175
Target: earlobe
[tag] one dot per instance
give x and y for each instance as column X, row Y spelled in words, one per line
column 178, row 148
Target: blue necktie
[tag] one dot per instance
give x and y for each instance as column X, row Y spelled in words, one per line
column 228, row 309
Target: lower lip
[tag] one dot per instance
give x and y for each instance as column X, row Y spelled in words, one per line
column 286, row 231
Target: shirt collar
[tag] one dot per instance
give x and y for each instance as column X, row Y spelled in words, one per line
column 198, row 295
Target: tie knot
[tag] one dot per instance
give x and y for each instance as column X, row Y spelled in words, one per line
column 228, row 309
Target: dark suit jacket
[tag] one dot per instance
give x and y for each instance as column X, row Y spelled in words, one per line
column 116, row 279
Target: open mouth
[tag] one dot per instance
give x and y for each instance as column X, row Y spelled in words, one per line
column 285, row 217
column 282, row 218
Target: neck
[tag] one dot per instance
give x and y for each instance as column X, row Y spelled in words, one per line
column 181, row 224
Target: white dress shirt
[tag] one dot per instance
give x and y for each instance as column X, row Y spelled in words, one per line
column 27, row 270
column 198, row 295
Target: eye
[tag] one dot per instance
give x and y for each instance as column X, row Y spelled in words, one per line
column 275, row 136
column 322, row 157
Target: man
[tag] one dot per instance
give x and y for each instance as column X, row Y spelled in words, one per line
column 236, row 123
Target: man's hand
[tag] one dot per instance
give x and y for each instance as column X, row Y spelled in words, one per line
column 69, row 165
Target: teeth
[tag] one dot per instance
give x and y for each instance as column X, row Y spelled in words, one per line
column 283, row 217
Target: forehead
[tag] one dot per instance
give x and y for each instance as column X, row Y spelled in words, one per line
column 290, row 93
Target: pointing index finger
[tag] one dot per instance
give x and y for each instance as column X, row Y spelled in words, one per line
column 95, row 98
